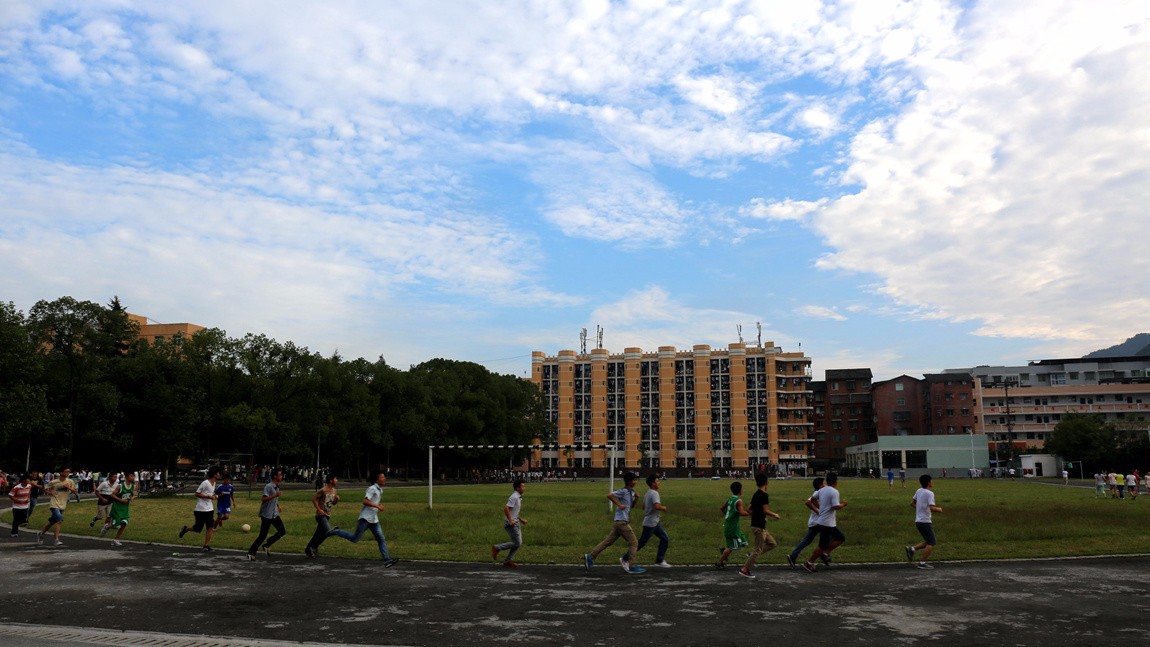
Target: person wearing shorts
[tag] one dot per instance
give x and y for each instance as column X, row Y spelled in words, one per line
column 104, row 498
column 830, row 537
column 58, row 490
column 923, row 504
column 733, row 537
column 225, row 496
column 120, row 513
column 205, row 509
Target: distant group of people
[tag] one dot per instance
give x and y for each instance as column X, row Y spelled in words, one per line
column 1109, row 484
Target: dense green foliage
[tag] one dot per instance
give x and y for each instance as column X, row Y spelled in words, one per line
column 1099, row 443
column 77, row 387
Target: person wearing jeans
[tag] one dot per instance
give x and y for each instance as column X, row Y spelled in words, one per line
column 812, row 530
column 269, row 516
column 369, row 519
column 652, row 526
column 324, row 500
column 512, row 523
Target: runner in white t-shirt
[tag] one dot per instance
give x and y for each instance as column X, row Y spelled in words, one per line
column 923, row 504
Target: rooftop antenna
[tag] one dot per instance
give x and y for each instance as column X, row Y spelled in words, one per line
column 583, row 341
column 739, row 327
column 759, row 325
column 599, row 336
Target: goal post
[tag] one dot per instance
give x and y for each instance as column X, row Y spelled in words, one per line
column 543, row 447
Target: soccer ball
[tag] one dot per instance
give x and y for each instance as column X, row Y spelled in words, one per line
column 246, row 528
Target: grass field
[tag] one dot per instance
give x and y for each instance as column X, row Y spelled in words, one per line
column 983, row 519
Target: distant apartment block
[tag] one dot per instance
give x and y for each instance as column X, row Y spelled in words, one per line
column 843, row 414
column 154, row 332
column 743, row 407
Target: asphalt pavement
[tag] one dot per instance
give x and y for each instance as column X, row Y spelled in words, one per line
column 91, row 593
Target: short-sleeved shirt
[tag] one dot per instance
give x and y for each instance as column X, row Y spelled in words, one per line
column 327, row 499
column 59, row 491
column 650, row 512
column 373, row 494
column 269, row 509
column 208, row 489
column 105, row 489
column 20, row 495
column 828, row 498
column 515, row 501
column 224, row 496
column 923, row 499
column 626, row 497
column 758, row 516
column 814, row 518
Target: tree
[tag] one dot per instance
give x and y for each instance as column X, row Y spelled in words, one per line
column 23, row 401
column 1083, row 436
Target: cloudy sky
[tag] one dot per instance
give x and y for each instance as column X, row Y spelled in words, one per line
column 906, row 186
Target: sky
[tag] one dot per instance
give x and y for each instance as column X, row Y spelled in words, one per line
column 905, row 186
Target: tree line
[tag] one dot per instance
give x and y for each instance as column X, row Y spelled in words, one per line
column 79, row 388
column 1101, row 444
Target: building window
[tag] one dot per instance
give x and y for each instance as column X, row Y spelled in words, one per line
column 900, row 402
column 898, row 386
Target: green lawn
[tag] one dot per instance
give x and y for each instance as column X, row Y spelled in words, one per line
column 983, row 519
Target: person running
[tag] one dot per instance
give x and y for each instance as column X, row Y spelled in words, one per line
column 623, row 499
column 225, row 499
column 924, row 507
column 830, row 537
column 890, row 477
column 812, row 504
column 511, row 525
column 58, row 490
column 1099, row 485
column 269, row 516
column 369, row 519
column 120, row 513
column 204, row 511
column 324, row 500
column 652, row 509
column 902, row 476
column 104, row 498
column 1132, row 485
column 733, row 537
column 21, row 497
column 760, row 510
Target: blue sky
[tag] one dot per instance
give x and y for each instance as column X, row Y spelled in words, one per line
column 907, row 186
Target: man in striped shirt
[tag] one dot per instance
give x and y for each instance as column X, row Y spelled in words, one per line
column 20, row 495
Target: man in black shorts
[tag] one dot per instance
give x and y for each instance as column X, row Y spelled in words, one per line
column 830, row 537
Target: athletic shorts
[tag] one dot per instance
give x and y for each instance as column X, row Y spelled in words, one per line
column 224, row 512
column 736, row 540
column 829, row 534
column 56, row 515
column 927, row 532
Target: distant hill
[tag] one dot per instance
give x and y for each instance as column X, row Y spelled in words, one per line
column 1136, row 346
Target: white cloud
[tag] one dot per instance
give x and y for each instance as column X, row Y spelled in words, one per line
column 821, row 312
column 1012, row 191
column 798, row 210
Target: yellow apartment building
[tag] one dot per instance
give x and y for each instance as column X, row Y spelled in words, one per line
column 743, row 407
column 154, row 332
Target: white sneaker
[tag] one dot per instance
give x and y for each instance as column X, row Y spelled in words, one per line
column 116, row 542
column 40, row 538
column 103, row 531
column 625, row 564
column 662, row 564
column 59, row 543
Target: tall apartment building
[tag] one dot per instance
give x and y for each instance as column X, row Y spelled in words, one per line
column 951, row 405
column 745, row 407
column 844, row 414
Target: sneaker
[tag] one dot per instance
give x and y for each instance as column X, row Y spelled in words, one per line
column 309, row 551
column 747, row 574
column 494, row 553
column 207, row 548
column 93, row 524
column 635, row 570
column 588, row 561
column 40, row 538
column 826, row 559
column 624, row 563
column 510, row 564
column 59, row 543
column 791, row 560
column 103, row 531
column 662, row 564
column 810, row 567
column 910, row 553
column 720, row 566
column 391, row 562
column 267, row 551
column 925, row 567
column 116, row 542
column 251, row 557
column 183, row 531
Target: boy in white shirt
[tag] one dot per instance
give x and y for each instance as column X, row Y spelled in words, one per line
column 923, row 504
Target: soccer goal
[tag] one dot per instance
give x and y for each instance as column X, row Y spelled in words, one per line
column 544, row 447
